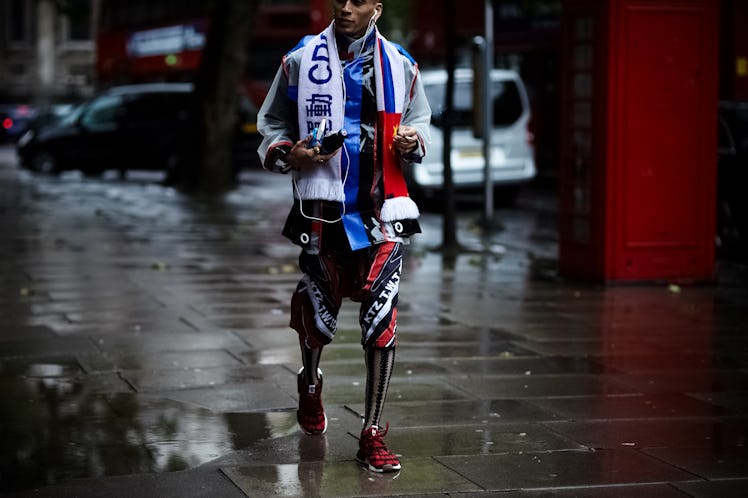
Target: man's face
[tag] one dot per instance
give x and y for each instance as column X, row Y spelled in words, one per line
column 352, row 16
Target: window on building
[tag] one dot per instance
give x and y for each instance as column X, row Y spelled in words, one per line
column 18, row 20
column 79, row 20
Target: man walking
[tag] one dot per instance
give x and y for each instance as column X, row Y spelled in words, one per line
column 351, row 212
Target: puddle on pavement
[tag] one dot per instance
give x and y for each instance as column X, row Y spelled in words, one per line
column 56, row 427
column 310, row 479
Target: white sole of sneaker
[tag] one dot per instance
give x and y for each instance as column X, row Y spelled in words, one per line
column 388, row 468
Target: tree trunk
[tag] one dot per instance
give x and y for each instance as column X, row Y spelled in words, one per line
column 207, row 164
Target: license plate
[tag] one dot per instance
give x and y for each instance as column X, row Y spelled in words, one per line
column 470, row 153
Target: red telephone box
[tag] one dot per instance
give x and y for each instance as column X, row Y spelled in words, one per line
column 639, row 152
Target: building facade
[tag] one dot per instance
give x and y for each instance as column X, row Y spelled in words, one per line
column 47, row 49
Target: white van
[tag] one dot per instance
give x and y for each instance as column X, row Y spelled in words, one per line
column 512, row 151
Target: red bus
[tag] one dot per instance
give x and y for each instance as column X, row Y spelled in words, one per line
column 162, row 40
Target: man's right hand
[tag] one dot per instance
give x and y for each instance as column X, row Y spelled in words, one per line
column 302, row 157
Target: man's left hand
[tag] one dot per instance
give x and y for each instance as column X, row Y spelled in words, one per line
column 405, row 140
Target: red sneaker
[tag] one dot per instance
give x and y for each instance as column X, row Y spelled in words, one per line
column 374, row 453
column 310, row 415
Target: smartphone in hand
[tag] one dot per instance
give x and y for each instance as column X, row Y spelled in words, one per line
column 327, row 143
column 331, row 143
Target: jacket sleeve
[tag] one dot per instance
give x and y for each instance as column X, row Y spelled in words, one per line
column 417, row 114
column 277, row 120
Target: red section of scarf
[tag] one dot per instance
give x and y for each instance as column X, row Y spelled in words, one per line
column 394, row 181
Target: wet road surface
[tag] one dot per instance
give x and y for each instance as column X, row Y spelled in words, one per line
column 144, row 351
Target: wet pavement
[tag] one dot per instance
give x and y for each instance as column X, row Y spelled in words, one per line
column 144, row 351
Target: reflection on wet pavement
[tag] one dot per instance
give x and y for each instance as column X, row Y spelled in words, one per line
column 144, row 333
column 56, row 422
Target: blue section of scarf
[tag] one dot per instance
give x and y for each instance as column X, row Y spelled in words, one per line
column 388, row 86
column 354, row 225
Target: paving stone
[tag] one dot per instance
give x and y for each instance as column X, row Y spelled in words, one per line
column 441, row 413
column 262, row 338
column 161, row 379
column 661, row 362
column 404, row 368
column 43, row 347
column 288, row 444
column 461, row 350
column 197, row 483
column 619, row 491
column 736, row 400
column 478, row 439
column 648, row 433
column 345, row 478
column 247, row 397
column 678, row 382
column 177, row 360
column 591, row 347
column 250, row 320
column 165, row 341
column 528, row 386
column 286, row 354
column 733, row 488
column 522, row 365
column 630, row 407
column 163, row 323
column 400, row 389
column 445, row 334
column 561, row 469
column 40, row 367
column 708, row 461
column 12, row 331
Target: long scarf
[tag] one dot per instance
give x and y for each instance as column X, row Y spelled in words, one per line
column 321, row 94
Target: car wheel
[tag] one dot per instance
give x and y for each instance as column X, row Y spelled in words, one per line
column 92, row 172
column 45, row 162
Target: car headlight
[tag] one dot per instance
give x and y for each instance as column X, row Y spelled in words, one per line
column 26, row 138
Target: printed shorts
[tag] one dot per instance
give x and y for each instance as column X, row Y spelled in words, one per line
column 370, row 276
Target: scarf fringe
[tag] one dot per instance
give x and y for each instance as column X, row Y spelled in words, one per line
column 399, row 208
column 319, row 188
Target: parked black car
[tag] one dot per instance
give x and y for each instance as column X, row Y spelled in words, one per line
column 126, row 128
column 732, row 209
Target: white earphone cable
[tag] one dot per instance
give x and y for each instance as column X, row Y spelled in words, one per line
column 301, row 201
